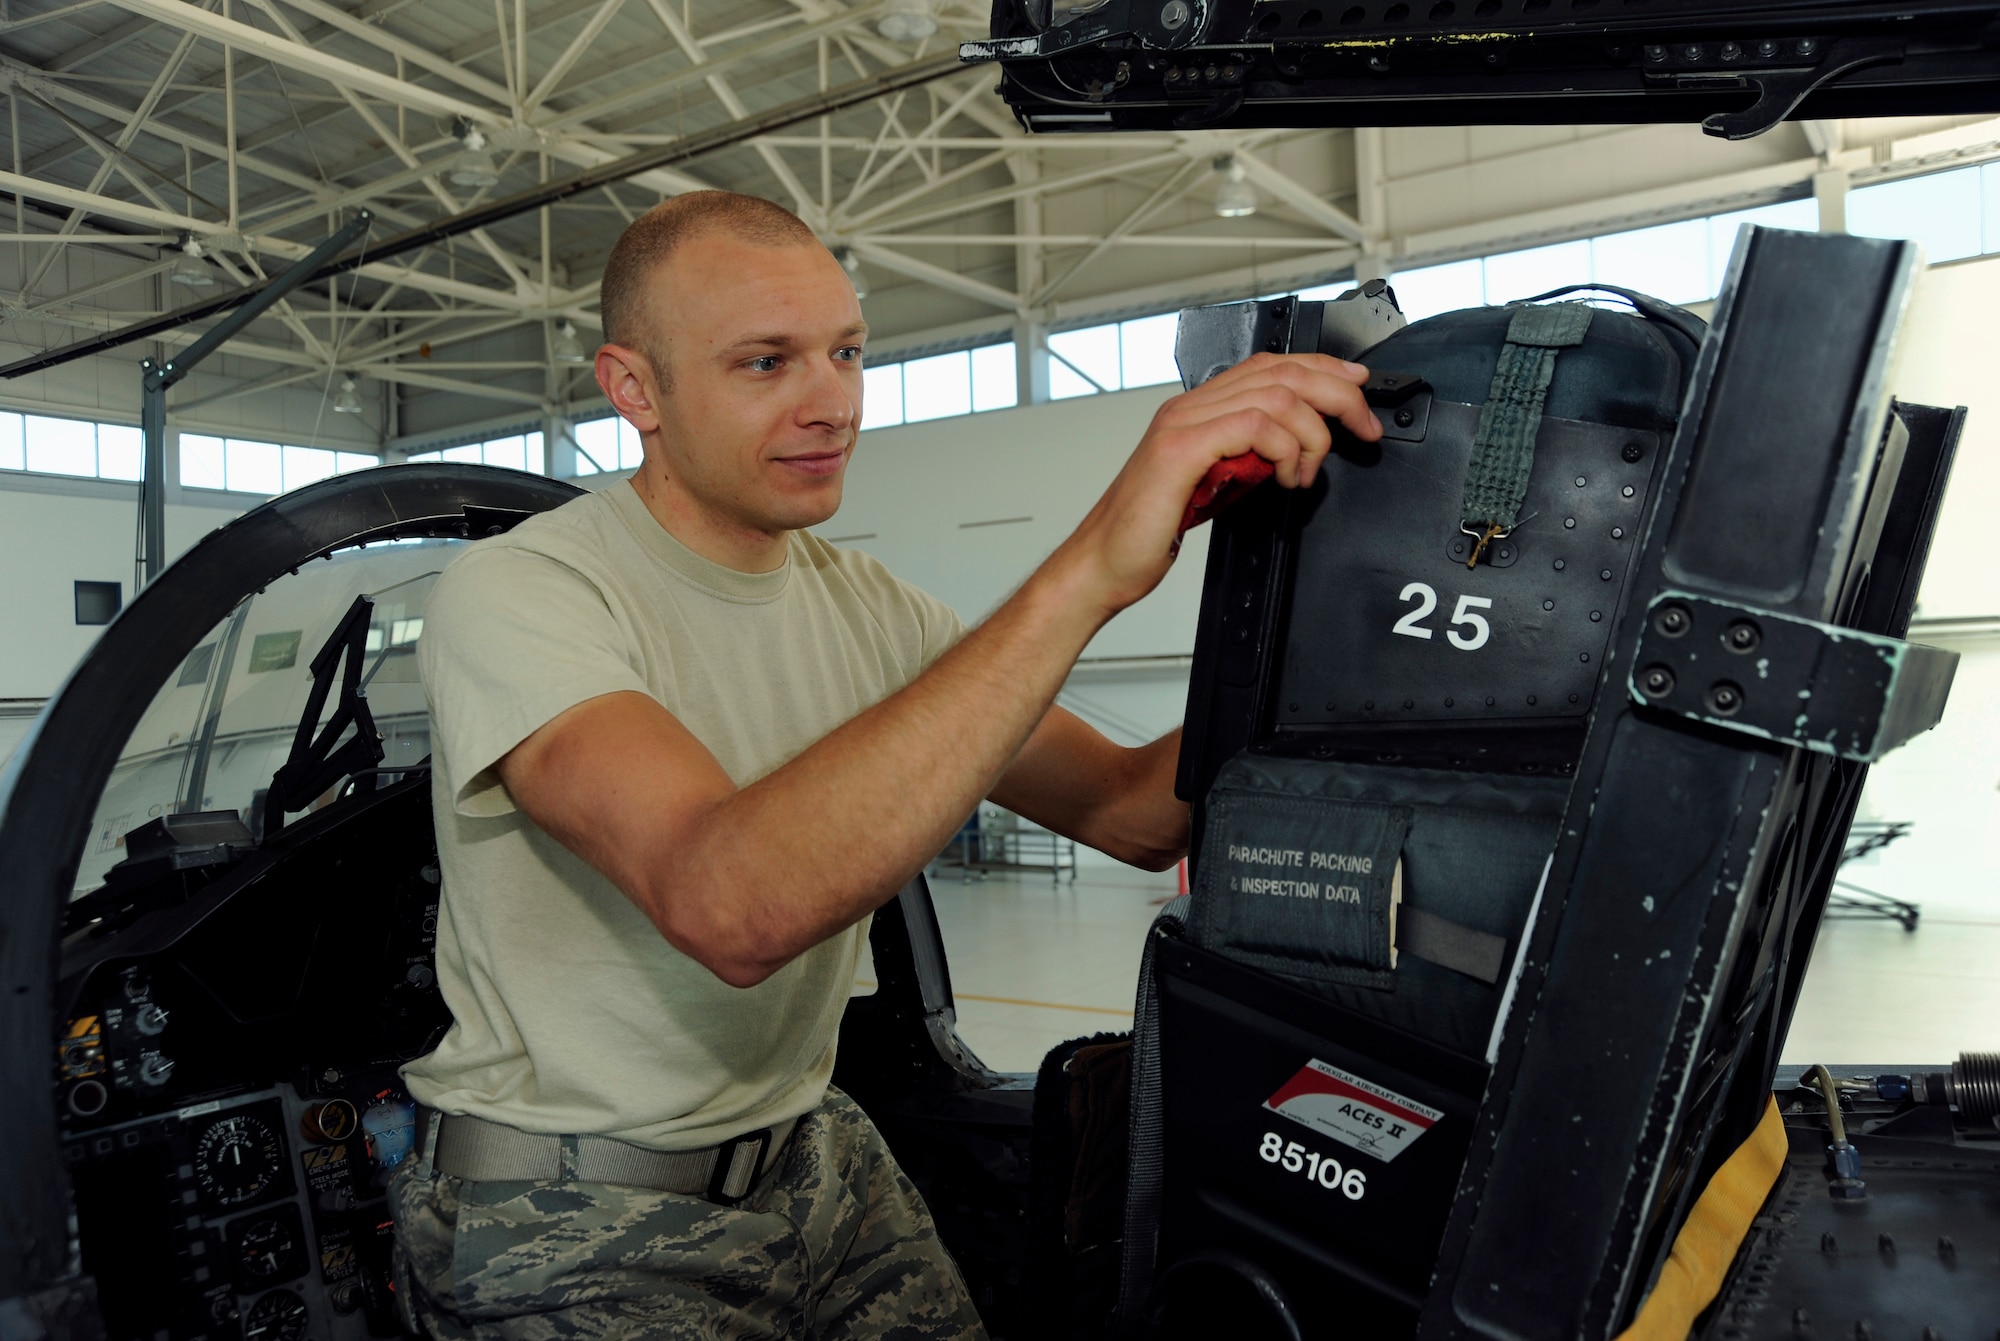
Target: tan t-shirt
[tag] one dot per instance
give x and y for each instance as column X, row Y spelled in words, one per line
column 571, row 1012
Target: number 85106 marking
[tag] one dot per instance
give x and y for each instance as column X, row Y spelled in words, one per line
column 1322, row 1169
column 1465, row 616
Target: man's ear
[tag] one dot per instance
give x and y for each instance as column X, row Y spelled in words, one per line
column 630, row 385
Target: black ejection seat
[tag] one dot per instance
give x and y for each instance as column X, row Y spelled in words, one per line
column 1519, row 748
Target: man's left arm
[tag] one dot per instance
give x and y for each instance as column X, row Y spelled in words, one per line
column 1121, row 801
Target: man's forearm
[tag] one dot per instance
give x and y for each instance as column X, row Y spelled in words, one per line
column 1145, row 819
column 1116, row 799
column 1134, row 815
column 769, row 871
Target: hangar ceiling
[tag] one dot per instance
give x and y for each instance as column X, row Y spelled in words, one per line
column 253, row 126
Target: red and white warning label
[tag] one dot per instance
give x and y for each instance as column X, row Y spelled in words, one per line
column 1356, row 1112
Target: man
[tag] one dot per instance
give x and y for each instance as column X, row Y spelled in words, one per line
column 683, row 749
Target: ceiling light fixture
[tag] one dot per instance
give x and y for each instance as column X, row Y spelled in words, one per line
column 565, row 347
column 347, row 400
column 189, row 267
column 852, row 265
column 907, row 20
column 1235, row 197
column 473, row 164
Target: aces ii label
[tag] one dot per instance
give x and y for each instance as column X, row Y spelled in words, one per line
column 1356, row 1112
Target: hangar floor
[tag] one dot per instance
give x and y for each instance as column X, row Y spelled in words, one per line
column 1033, row 964
column 1878, row 993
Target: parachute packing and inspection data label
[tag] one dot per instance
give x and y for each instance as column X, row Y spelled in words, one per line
column 1369, row 1117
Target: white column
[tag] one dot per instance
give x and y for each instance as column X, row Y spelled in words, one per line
column 1371, row 204
column 1830, row 193
column 559, row 443
column 1031, row 337
column 1031, row 361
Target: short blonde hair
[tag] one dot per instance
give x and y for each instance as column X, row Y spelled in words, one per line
column 651, row 239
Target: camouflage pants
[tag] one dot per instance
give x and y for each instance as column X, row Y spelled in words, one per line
column 833, row 1242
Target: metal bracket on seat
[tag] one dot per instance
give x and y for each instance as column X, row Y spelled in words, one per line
column 1785, row 678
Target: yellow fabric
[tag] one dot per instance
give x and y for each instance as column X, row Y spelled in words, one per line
column 1714, row 1230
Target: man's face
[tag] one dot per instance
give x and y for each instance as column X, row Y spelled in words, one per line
column 763, row 379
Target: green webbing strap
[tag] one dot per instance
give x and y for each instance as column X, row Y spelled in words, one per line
column 1503, row 450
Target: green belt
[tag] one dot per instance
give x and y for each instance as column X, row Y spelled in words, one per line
column 1503, row 448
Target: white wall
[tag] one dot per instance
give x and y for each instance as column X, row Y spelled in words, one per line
column 48, row 542
column 1947, row 357
column 15, row 720
column 911, row 491
column 1945, row 781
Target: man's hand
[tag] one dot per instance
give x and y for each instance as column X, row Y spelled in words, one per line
column 1275, row 405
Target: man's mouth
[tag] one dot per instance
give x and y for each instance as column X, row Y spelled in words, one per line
column 815, row 463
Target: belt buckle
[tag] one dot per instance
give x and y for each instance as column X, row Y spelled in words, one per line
column 725, row 1165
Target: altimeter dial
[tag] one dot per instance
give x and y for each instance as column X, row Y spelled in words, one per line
column 237, row 1160
column 278, row 1316
column 265, row 1248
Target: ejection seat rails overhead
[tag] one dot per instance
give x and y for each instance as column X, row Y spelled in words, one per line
column 1736, row 66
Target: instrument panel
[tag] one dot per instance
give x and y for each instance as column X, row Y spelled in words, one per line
column 227, row 1078
column 260, row 1217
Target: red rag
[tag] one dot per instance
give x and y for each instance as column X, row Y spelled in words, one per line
column 1227, row 480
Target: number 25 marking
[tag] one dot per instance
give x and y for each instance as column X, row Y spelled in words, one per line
column 1465, row 615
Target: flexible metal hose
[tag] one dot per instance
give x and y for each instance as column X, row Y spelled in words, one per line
column 1831, row 1093
column 1975, row 1083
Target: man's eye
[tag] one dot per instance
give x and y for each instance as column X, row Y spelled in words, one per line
column 765, row 363
column 848, row 354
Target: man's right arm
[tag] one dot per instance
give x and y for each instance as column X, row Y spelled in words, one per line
column 746, row 879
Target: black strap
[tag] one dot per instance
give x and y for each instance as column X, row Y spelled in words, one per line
column 1145, row 1175
column 1645, row 304
column 1503, row 447
column 1476, row 954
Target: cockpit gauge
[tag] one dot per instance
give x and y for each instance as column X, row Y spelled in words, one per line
column 238, row 1159
column 82, row 1048
column 222, row 1310
column 390, row 1123
column 264, row 1247
column 278, row 1316
column 333, row 1120
column 268, row 1248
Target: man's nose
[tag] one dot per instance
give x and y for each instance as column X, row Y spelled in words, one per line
column 829, row 400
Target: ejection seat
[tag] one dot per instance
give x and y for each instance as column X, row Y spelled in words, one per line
column 1521, row 748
